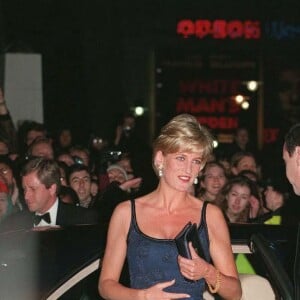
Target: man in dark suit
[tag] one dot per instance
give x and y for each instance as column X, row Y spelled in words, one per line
column 41, row 183
column 291, row 157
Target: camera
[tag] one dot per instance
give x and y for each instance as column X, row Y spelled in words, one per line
column 112, row 156
column 127, row 130
column 97, row 140
column 78, row 160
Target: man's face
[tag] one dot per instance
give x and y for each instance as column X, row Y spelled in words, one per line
column 38, row 198
column 32, row 135
column 43, row 150
column 242, row 137
column 292, row 168
column 81, row 183
column 65, row 138
column 246, row 163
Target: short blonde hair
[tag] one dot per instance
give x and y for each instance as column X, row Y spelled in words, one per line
column 184, row 133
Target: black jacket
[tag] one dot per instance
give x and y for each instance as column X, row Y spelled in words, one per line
column 67, row 214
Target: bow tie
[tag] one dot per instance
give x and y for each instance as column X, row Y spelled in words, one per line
column 38, row 218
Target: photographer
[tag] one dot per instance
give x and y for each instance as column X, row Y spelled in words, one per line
column 125, row 136
column 99, row 156
column 119, row 188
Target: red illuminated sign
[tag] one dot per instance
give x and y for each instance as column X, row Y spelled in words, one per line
column 210, row 101
column 220, row 29
column 271, row 135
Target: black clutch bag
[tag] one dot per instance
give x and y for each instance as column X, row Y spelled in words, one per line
column 189, row 233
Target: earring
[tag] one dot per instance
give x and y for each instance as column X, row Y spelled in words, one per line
column 196, row 180
column 160, row 172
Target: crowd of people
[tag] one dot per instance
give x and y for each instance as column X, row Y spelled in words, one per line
column 46, row 181
column 96, row 176
column 101, row 174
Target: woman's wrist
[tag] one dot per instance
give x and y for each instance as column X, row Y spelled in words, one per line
column 253, row 213
column 206, row 272
column 216, row 285
column 212, row 277
column 142, row 294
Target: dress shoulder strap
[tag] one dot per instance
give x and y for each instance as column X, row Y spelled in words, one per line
column 203, row 217
column 133, row 213
column 203, row 213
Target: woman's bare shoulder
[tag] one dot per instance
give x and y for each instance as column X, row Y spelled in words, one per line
column 123, row 208
column 121, row 217
column 214, row 213
column 213, row 208
column 216, row 222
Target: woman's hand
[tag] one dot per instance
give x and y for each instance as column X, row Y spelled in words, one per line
column 157, row 292
column 131, row 183
column 195, row 268
column 254, row 207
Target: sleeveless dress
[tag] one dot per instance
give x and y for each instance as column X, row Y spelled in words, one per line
column 153, row 260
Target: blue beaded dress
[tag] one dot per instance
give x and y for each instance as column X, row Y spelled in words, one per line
column 153, row 260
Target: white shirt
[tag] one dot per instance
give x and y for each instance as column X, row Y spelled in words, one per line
column 53, row 214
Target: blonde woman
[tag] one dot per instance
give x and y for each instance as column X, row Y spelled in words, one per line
column 143, row 230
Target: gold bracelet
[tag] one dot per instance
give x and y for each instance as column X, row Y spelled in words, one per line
column 217, row 285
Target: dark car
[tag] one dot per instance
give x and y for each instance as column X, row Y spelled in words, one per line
column 64, row 263
column 272, row 252
column 46, row 264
